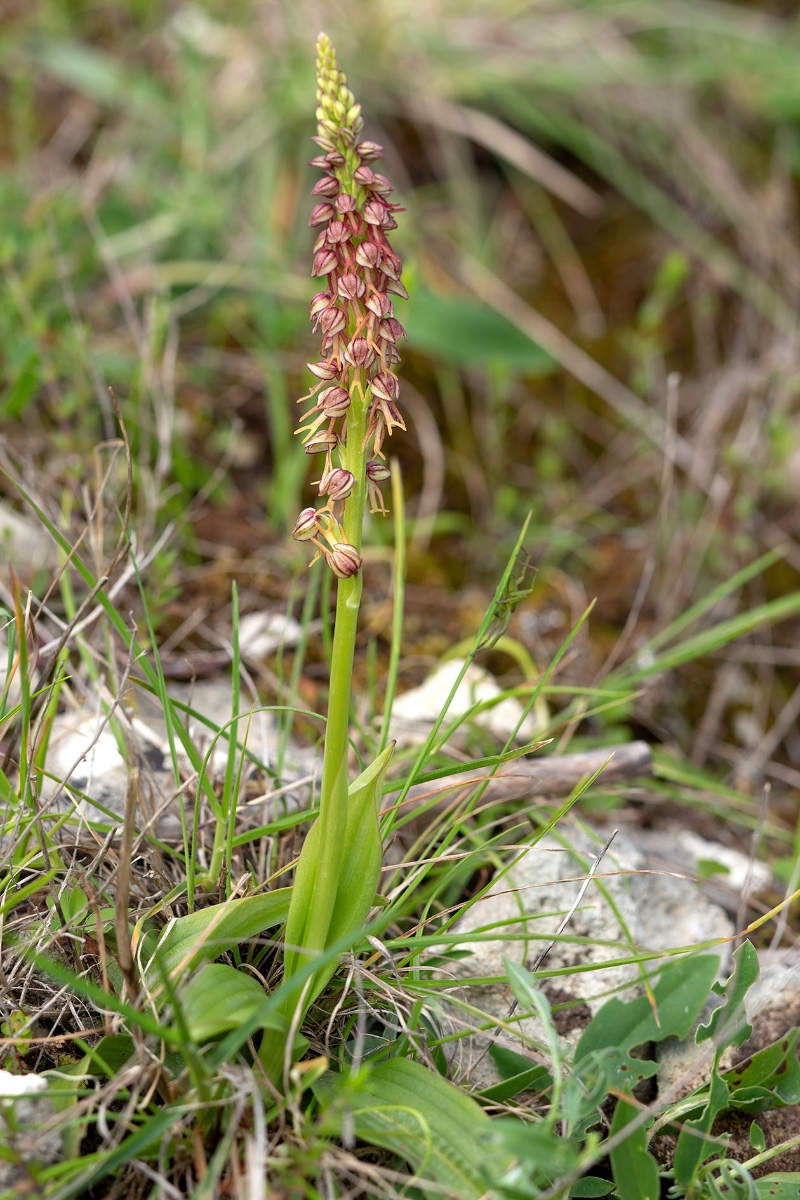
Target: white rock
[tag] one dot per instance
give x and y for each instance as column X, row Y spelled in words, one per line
column 30, row 1137
column 416, row 710
column 24, row 543
column 262, row 633
column 640, row 910
column 14, row 1086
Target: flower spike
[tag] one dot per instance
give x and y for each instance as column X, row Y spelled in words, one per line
column 354, row 315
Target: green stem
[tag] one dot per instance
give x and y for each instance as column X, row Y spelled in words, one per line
column 333, row 794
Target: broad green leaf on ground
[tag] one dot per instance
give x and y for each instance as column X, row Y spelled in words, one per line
column 635, row 1170
column 217, row 999
column 620, row 1026
column 778, row 1186
column 402, row 1107
column 204, row 935
column 771, row 1078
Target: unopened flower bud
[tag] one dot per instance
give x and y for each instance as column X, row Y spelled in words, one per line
column 321, row 213
column 324, row 262
column 329, row 186
column 368, row 255
column 375, row 212
column 334, row 401
column 344, row 560
column 369, row 150
column 378, row 472
column 381, row 185
column 306, row 526
column 364, row 176
column 346, row 203
column 351, row 286
column 337, row 484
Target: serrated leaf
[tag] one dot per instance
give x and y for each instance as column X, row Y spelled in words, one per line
column 634, row 1168
column 620, row 1026
column 203, row 935
column 728, row 1024
column 402, row 1107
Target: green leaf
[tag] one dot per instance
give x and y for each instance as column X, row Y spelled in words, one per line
column 402, row 1107
column 204, row 935
column 219, row 998
column 635, row 1170
column 534, row 1079
column 620, row 1026
column 771, row 1078
column 362, row 856
column 728, row 1024
column 779, row 1186
column 460, row 331
column 694, row 1143
column 110, row 1055
column 590, row 1186
column 757, row 1139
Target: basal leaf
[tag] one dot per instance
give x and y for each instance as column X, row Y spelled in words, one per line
column 219, row 998
column 635, row 1170
column 771, row 1078
column 204, row 935
column 434, row 1126
column 361, row 858
column 459, row 330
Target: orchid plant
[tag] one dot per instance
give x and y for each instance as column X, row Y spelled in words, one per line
column 354, row 409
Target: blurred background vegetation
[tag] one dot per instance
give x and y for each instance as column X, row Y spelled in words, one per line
column 603, row 265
